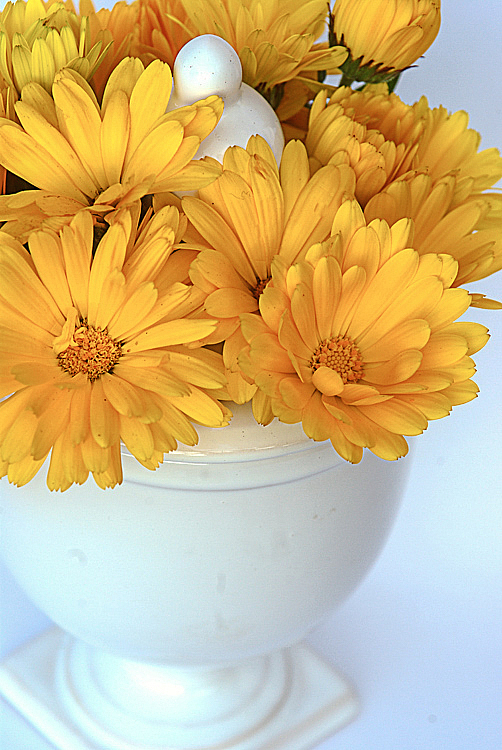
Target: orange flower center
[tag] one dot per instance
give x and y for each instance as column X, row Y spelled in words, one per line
column 342, row 355
column 260, row 286
column 92, row 352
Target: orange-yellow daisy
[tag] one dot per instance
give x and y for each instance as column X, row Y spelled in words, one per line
column 417, row 162
column 390, row 138
column 82, row 155
column 383, row 36
column 251, row 213
column 97, row 347
column 447, row 144
column 372, row 130
column 275, row 39
column 359, row 341
column 163, row 28
column 39, row 39
column 443, row 223
column 117, row 29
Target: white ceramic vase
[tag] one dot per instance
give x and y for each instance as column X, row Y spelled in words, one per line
column 182, row 595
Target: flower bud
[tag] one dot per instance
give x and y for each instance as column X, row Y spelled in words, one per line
column 383, row 36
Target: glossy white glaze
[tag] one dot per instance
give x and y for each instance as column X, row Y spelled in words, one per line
column 196, row 580
column 209, row 65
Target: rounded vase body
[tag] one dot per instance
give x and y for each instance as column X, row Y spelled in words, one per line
column 233, row 548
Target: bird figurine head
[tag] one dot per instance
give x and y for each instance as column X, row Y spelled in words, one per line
column 208, row 65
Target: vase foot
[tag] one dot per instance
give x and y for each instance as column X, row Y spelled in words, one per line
column 314, row 705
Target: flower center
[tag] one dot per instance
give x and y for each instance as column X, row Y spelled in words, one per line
column 260, row 286
column 92, row 352
column 342, row 355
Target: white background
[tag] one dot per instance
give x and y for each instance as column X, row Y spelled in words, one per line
column 422, row 637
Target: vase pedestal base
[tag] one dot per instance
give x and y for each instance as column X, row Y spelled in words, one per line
column 313, row 705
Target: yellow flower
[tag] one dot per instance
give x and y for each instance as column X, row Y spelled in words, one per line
column 417, row 162
column 383, row 36
column 448, row 145
column 444, row 224
column 39, row 39
column 253, row 212
column 358, row 341
column 97, row 349
column 163, row 28
column 275, row 39
column 444, row 194
column 117, row 28
column 82, row 155
column 372, row 130
column 434, row 140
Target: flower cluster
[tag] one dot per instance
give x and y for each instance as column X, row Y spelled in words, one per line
column 144, row 288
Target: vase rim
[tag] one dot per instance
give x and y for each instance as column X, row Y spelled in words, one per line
column 243, row 439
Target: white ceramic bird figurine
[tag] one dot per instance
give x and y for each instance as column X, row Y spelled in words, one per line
column 209, row 65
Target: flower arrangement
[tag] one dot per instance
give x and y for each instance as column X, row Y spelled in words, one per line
column 143, row 290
